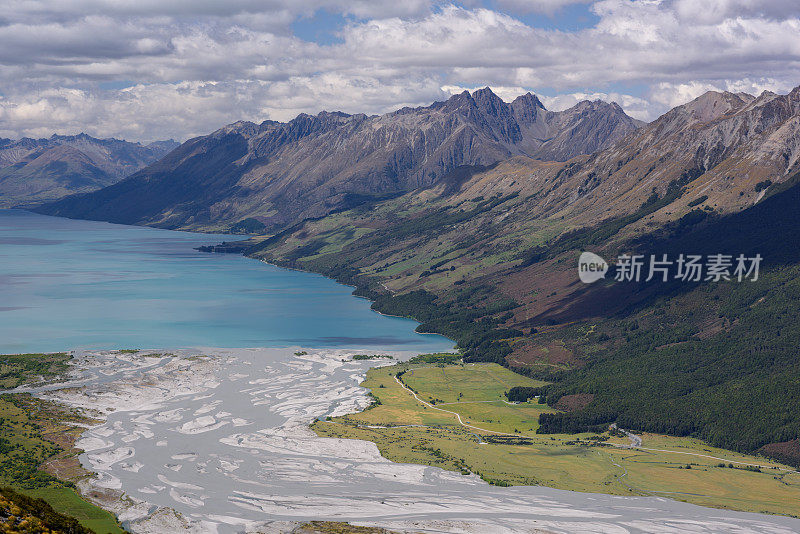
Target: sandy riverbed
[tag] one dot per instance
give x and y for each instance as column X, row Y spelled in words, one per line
column 218, row 441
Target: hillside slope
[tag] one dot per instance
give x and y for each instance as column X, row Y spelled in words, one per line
column 33, row 171
column 282, row 173
column 480, row 221
column 489, row 257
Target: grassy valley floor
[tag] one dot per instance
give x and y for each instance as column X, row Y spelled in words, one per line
column 459, row 420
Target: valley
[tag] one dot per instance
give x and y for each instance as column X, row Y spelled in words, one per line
column 485, row 254
column 491, row 263
column 380, row 267
column 498, row 441
column 259, row 468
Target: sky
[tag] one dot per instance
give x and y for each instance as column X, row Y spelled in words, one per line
column 144, row 70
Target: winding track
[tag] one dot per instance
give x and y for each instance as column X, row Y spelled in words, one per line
column 458, row 416
column 636, row 441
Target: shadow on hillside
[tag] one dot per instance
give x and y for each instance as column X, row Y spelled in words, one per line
column 771, row 228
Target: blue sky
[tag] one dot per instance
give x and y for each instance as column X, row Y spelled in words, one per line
column 324, row 26
column 152, row 69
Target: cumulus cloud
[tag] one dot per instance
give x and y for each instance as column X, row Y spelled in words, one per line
column 548, row 7
column 716, row 11
column 675, row 94
column 183, row 110
column 60, row 10
column 188, row 67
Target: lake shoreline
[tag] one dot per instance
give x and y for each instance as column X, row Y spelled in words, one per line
column 93, row 285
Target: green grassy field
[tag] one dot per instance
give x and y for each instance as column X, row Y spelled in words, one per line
column 66, row 501
column 475, row 391
column 23, row 514
column 582, row 462
column 471, row 382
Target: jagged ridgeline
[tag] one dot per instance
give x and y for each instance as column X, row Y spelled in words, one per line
column 489, row 257
column 281, row 173
column 469, row 215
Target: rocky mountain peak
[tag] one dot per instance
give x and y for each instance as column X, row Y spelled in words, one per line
column 489, row 102
column 528, row 100
column 311, row 165
column 714, row 104
column 244, row 128
column 462, row 100
column 527, row 108
column 332, row 115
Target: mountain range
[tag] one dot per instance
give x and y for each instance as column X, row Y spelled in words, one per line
column 716, row 156
column 281, row 173
column 469, row 215
column 33, row 171
column 488, row 256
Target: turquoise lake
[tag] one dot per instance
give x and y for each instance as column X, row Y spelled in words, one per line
column 67, row 284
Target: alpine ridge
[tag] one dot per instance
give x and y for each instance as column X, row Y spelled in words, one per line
column 490, row 260
column 281, row 173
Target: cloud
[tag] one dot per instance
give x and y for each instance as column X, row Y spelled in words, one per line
column 548, row 7
column 182, row 110
column 716, row 11
column 196, row 65
column 675, row 94
column 195, row 9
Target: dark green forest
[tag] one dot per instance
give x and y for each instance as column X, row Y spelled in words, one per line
column 717, row 361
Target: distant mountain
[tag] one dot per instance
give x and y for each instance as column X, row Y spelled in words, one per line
column 33, row 171
column 281, row 173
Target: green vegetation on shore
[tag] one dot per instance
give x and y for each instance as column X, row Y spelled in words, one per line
column 501, row 443
column 438, row 357
column 361, row 357
column 37, row 453
column 19, row 369
column 21, row 514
